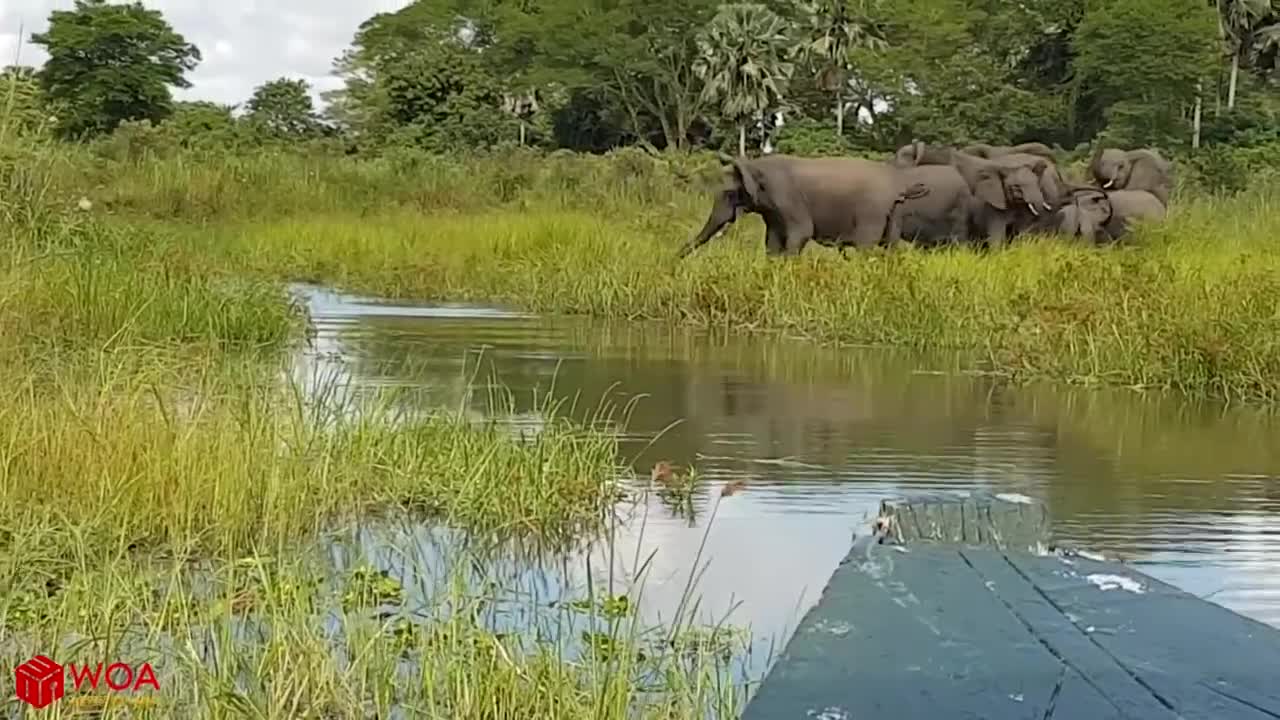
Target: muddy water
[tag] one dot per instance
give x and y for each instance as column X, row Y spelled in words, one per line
column 1189, row 494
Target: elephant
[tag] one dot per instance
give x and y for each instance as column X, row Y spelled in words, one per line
column 844, row 201
column 1000, row 188
column 1052, row 187
column 1129, row 205
column 991, row 152
column 1142, row 169
column 943, row 214
column 1085, row 213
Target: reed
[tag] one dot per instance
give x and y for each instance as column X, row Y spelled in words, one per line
column 183, row 510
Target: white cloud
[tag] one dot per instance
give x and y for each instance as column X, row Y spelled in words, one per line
column 244, row 43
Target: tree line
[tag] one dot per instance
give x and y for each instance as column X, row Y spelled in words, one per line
column 589, row 75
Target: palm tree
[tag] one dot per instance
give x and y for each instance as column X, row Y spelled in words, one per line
column 743, row 61
column 1239, row 24
column 833, row 29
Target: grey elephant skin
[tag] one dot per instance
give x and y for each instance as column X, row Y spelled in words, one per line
column 1084, row 214
column 941, row 216
column 1002, row 189
column 844, row 201
column 992, row 152
column 1141, row 169
column 1130, row 205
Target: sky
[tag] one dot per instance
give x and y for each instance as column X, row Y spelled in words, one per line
column 244, row 42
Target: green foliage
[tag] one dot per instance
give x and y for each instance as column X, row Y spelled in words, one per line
column 806, row 136
column 282, row 110
column 1145, row 62
column 440, row 98
column 205, row 126
column 110, row 63
column 744, row 61
column 592, row 75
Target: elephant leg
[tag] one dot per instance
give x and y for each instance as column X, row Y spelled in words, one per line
column 959, row 231
column 868, row 232
column 892, row 234
column 797, row 235
column 996, row 233
column 774, row 239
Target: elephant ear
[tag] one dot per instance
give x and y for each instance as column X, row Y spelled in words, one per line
column 747, row 180
column 990, row 187
column 1069, row 220
column 1050, row 182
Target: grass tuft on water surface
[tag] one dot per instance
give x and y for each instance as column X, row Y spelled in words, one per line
column 283, row 637
column 207, row 457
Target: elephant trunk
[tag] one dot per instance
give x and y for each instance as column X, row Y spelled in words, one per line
column 723, row 212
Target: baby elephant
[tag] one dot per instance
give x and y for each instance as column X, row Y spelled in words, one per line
column 1130, row 205
column 1085, row 213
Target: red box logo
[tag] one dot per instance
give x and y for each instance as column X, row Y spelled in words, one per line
column 40, row 681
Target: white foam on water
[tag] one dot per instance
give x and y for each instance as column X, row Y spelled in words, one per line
column 1015, row 498
column 1115, row 582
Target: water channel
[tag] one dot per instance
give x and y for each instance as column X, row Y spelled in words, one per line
column 1187, row 493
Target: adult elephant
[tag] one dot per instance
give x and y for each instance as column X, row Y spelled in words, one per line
column 1130, row 205
column 1085, row 213
column 1052, row 186
column 845, row 201
column 1141, row 169
column 1000, row 188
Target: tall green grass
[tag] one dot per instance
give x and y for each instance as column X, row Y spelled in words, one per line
column 155, row 505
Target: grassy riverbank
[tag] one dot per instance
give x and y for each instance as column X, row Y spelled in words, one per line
column 1189, row 305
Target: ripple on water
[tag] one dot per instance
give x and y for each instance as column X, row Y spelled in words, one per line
column 819, row 437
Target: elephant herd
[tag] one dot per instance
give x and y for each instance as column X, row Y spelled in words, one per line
column 933, row 195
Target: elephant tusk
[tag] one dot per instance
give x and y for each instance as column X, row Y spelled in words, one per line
column 1108, row 183
column 1034, row 211
column 1047, row 206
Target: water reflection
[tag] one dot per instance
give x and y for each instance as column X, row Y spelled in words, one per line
column 820, row 436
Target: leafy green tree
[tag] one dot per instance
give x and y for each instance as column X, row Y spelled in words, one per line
column 937, row 81
column 282, row 109
column 639, row 53
column 1144, row 62
column 442, row 98
column 109, row 63
column 1244, row 25
column 203, row 125
column 833, row 28
column 744, row 62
